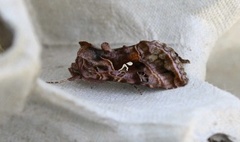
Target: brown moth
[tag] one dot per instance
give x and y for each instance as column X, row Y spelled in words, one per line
column 147, row 63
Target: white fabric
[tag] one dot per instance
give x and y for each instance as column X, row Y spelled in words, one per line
column 88, row 111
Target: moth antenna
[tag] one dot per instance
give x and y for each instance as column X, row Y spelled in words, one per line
column 56, row 82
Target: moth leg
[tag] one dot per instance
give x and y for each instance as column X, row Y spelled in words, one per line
column 138, row 90
column 185, row 61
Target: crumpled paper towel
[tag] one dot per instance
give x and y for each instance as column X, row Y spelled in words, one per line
column 88, row 111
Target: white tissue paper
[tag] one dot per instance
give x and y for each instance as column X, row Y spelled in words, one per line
column 96, row 111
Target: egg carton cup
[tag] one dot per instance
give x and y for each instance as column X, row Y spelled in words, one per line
column 40, row 40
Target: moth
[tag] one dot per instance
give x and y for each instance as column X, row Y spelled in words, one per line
column 148, row 63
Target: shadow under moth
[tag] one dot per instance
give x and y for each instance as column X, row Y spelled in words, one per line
column 149, row 63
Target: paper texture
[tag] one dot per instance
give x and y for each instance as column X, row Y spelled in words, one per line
column 93, row 111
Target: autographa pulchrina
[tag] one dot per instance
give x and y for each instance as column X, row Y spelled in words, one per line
column 147, row 63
